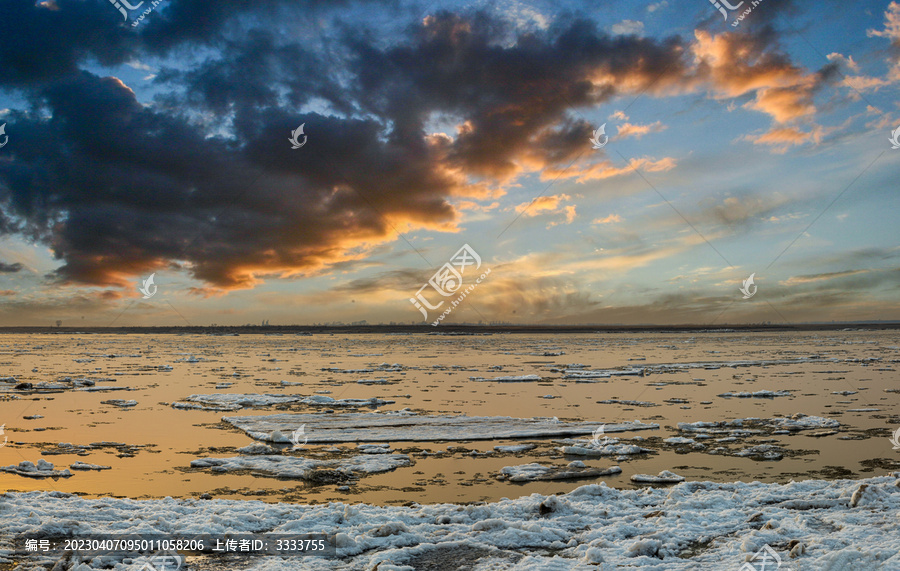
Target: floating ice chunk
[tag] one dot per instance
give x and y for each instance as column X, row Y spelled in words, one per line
column 509, row 379
column 103, row 389
column 664, row 477
column 628, row 402
column 533, row 472
column 338, row 370
column 763, row 452
column 197, row 406
column 277, row 436
column 85, row 466
column 257, row 448
column 320, row 400
column 120, row 402
column 608, row 450
column 306, row 468
column 242, row 400
column 374, row 449
column 756, row 394
column 679, row 440
column 404, row 426
column 43, row 469
column 515, row 448
column 798, row 421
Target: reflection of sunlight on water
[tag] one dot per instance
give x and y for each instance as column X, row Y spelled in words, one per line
column 435, row 380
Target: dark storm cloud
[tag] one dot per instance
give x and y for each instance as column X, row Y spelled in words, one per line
column 504, row 95
column 10, row 268
column 44, row 42
column 137, row 188
column 206, row 175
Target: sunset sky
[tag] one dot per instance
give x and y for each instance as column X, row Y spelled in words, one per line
column 163, row 148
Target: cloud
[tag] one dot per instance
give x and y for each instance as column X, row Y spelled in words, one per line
column 784, row 137
column 606, row 169
column 811, row 278
column 742, row 210
column 542, row 204
column 628, row 28
column 202, row 176
column 891, row 29
column 612, row 218
column 638, row 131
column 10, row 268
column 735, row 65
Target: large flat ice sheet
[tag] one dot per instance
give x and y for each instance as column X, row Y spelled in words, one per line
column 375, row 427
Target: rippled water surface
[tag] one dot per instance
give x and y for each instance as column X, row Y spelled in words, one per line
column 847, row 376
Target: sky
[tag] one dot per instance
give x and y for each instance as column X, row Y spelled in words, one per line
column 459, row 162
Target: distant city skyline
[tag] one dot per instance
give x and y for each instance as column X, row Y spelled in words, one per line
column 621, row 163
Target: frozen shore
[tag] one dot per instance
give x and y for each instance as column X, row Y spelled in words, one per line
column 839, row 525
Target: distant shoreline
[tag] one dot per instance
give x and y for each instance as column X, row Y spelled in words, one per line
column 455, row 329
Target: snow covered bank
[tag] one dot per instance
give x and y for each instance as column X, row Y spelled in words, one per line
column 842, row 524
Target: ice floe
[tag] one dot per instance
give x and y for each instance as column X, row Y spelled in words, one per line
column 575, row 470
column 42, row 469
column 514, row 448
column 756, row 394
column 763, row 452
column 120, row 402
column 306, row 468
column 796, row 422
column 231, row 402
column 319, row 400
column 611, row 449
column 628, row 402
column 664, row 477
column 406, row 427
column 86, row 466
column 509, row 379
